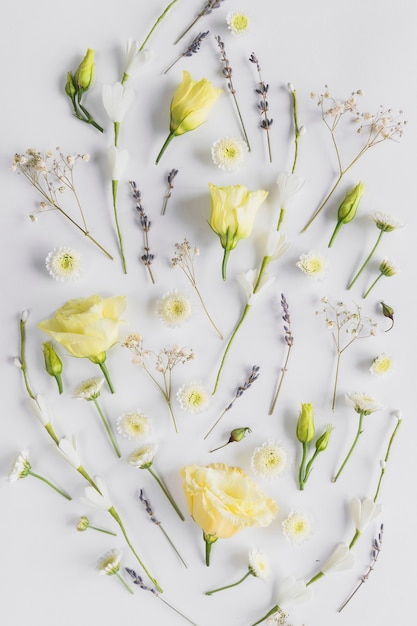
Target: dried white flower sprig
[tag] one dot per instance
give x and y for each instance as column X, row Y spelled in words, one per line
column 258, row 567
column 21, row 468
column 52, row 175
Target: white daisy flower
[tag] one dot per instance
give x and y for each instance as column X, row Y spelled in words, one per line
column 237, row 22
column 109, row 563
column 386, row 222
column 313, row 264
column 381, row 364
column 21, row 466
column 259, row 564
column 194, row 397
column 228, row 153
column 63, row 264
column 296, row 527
column 174, row 308
column 269, row 460
column 363, row 403
column 143, row 457
column 89, row 389
column 133, row 425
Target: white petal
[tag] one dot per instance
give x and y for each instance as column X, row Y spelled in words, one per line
column 40, row 409
column 100, row 500
column 118, row 160
column 288, row 186
column 355, row 509
column 340, row 559
column 293, row 591
column 68, row 447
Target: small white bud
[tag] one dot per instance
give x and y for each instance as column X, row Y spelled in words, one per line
column 291, row 87
column 302, row 130
column 25, row 315
column 398, row 415
column 17, row 362
column 382, row 464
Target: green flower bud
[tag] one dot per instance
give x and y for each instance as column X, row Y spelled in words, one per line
column 70, row 88
column 388, row 311
column 305, row 425
column 84, row 74
column 83, row 523
column 53, row 363
column 323, row 440
column 238, row 434
column 347, row 210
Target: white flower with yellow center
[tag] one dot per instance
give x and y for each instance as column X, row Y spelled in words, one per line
column 313, row 264
column 228, row 153
column 109, row 563
column 21, row 466
column 382, row 364
column 237, row 22
column 63, row 264
column 363, row 403
column 143, row 457
column 133, row 425
column 296, row 527
column 259, row 564
column 386, row 222
column 174, row 308
column 194, row 397
column 269, row 460
column 89, row 389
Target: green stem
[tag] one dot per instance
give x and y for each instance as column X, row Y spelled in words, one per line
column 58, row 379
column 315, row 578
column 209, row 539
column 238, row 325
column 114, row 187
column 309, row 465
column 365, row 263
column 106, row 375
column 107, row 427
column 271, row 612
column 281, row 380
column 88, row 478
column 210, row 593
column 160, row 18
column 49, row 429
column 301, row 471
column 297, row 133
column 336, row 378
column 167, row 537
column 116, row 516
column 193, row 23
column 116, row 127
column 103, row 530
column 281, row 217
column 207, row 313
column 391, row 441
column 122, row 580
column 23, row 364
column 354, row 539
column 45, row 480
column 355, row 441
column 372, row 286
column 241, row 122
column 177, row 611
column 89, row 118
column 164, row 147
column 166, row 492
column 322, row 205
column 225, row 261
column 335, row 232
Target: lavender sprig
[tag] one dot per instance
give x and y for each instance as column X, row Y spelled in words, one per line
column 138, row 580
column 206, row 10
column 193, row 48
column 376, row 549
column 239, row 392
column 289, row 340
column 262, row 90
column 145, row 223
column 148, row 508
column 227, row 73
column 170, row 179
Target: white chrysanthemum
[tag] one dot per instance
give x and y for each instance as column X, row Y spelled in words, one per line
column 63, row 264
column 174, row 308
column 296, row 527
column 143, row 457
column 313, row 264
column 382, row 364
column 89, row 389
column 109, row 563
column 228, row 153
column 133, row 425
column 386, row 222
column 363, row 403
column 237, row 22
column 269, row 460
column 259, row 564
column 21, row 466
column 194, row 397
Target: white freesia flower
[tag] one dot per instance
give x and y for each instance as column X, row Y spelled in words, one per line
column 340, row 559
column 363, row 512
column 288, row 186
column 100, row 499
column 40, row 409
column 247, row 282
column 117, row 100
column 118, row 160
column 135, row 57
column 68, row 448
column 276, row 245
column 293, row 591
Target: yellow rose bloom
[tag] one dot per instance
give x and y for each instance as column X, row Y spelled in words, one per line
column 232, row 215
column 190, row 106
column 223, row 500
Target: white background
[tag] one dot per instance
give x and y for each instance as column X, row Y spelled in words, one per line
column 47, row 573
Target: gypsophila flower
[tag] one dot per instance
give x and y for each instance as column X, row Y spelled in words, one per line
column 133, row 425
column 89, row 389
column 237, row 22
column 143, row 457
column 21, row 466
column 228, row 153
column 63, row 264
column 269, row 460
column 258, row 564
column 296, row 527
column 174, row 308
column 313, row 264
column 193, row 397
column 109, row 563
column 381, row 364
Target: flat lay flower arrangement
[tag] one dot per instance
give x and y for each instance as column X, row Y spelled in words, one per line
column 250, row 465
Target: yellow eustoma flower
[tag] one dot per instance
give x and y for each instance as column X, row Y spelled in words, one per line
column 223, row 500
column 84, row 74
column 232, row 214
column 190, row 106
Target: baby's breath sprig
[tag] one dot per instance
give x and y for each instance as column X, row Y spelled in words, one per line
column 170, row 179
column 206, row 10
column 289, row 340
column 193, row 48
column 375, row 128
column 262, row 90
column 239, row 392
column 145, row 223
column 51, row 176
column 227, row 73
column 184, row 258
column 138, row 580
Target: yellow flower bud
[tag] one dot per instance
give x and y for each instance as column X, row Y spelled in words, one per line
column 323, row 440
column 191, row 103
column 305, row 425
column 53, row 363
column 84, row 74
column 70, row 88
column 347, row 210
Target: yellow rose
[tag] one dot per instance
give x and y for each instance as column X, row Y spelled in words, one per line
column 190, row 106
column 232, row 214
column 223, row 500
